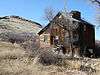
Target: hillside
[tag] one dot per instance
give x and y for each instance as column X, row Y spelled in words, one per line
column 18, row 24
column 8, row 50
column 14, row 61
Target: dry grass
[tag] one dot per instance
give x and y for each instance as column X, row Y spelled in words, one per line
column 8, row 50
column 14, row 61
column 26, row 66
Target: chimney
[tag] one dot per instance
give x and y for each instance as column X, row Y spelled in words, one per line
column 76, row 14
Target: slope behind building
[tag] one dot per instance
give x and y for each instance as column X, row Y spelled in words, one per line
column 19, row 24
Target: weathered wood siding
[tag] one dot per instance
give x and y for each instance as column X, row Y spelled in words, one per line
column 89, row 38
column 45, row 39
column 58, row 31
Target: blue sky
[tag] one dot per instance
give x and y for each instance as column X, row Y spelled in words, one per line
column 34, row 9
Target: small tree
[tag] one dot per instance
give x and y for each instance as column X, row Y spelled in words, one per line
column 49, row 13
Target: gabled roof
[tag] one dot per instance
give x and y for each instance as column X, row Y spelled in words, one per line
column 46, row 27
column 66, row 16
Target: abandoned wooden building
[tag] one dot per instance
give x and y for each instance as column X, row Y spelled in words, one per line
column 70, row 30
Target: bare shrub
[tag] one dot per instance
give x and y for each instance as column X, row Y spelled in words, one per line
column 28, row 41
column 48, row 57
column 16, row 37
column 32, row 45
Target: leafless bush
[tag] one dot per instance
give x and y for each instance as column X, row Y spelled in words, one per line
column 31, row 45
column 16, row 37
column 48, row 57
column 29, row 41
